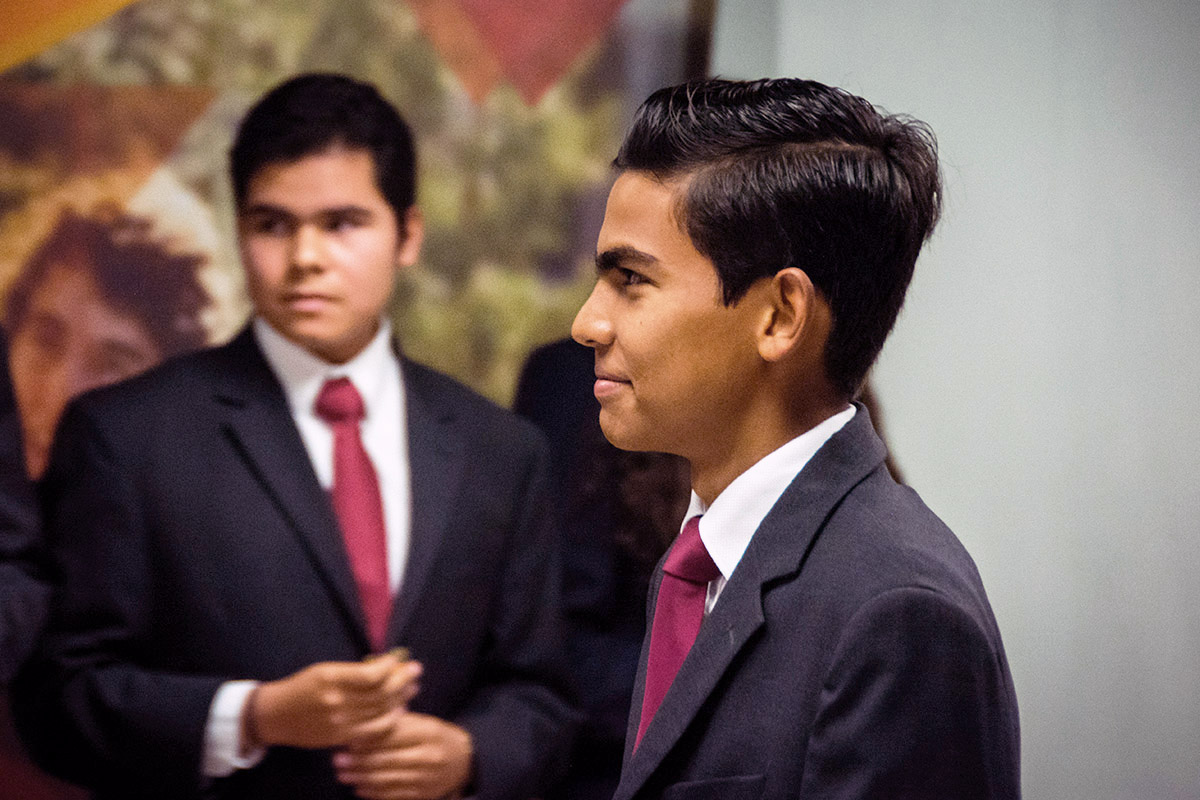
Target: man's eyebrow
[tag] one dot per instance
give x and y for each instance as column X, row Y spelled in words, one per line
column 269, row 209
column 622, row 257
column 266, row 209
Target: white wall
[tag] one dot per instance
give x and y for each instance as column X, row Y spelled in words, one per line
column 1041, row 389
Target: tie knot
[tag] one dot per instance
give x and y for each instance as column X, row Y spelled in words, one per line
column 339, row 401
column 689, row 559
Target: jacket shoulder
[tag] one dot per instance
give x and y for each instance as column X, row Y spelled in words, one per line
column 883, row 540
column 447, row 397
column 176, row 383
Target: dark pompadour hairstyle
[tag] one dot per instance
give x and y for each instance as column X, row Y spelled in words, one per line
column 311, row 113
column 137, row 273
column 793, row 173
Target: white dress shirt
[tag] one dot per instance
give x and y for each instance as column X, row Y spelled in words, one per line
column 375, row 373
column 735, row 514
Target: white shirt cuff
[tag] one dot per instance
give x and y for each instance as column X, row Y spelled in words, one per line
column 223, row 734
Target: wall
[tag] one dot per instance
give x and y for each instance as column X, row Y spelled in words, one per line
column 1040, row 386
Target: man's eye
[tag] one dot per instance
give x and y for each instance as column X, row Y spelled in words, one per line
column 341, row 223
column 630, row 278
column 271, row 226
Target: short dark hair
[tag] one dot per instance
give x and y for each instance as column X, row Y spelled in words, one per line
column 138, row 275
column 793, row 173
column 315, row 112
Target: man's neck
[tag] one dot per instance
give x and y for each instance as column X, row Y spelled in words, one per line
column 720, row 466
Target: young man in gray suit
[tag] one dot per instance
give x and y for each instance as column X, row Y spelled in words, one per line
column 243, row 536
column 816, row 631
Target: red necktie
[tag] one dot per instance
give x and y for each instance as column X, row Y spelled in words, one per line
column 678, row 613
column 356, row 501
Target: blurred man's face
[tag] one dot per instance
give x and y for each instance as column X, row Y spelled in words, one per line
column 675, row 367
column 322, row 248
column 69, row 341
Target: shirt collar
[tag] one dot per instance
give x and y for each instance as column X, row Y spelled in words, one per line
column 302, row 374
column 731, row 520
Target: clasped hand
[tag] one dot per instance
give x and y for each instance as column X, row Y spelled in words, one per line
column 420, row 758
column 331, row 704
column 385, row 752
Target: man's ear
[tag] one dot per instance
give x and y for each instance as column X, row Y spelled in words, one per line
column 412, row 236
column 792, row 308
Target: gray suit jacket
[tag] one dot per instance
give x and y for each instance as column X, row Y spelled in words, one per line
column 852, row 654
column 193, row 545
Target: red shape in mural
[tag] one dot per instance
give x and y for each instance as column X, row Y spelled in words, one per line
column 531, row 43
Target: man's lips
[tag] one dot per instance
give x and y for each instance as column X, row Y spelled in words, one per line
column 607, row 385
column 307, row 301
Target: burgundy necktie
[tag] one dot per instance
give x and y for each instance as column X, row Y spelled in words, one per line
column 678, row 613
column 356, row 501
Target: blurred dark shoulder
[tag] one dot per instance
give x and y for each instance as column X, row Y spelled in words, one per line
column 22, row 592
column 632, row 501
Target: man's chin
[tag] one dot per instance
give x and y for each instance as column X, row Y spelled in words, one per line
column 621, row 434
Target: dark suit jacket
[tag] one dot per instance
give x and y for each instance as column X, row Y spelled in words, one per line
column 194, row 545
column 22, row 594
column 852, row 654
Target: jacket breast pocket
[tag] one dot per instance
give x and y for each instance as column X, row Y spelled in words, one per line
column 742, row 787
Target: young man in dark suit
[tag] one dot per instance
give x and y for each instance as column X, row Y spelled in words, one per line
column 816, row 631
column 243, row 536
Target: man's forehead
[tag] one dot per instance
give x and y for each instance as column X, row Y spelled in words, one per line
column 317, row 184
column 673, row 185
column 333, row 171
column 637, row 195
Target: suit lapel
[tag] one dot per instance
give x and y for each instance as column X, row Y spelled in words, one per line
column 733, row 621
column 777, row 549
column 435, row 457
column 257, row 420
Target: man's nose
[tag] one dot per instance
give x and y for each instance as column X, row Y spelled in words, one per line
column 307, row 248
column 592, row 326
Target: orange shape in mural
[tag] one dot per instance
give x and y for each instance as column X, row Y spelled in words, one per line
column 31, row 26
column 90, row 145
column 531, row 43
column 85, row 128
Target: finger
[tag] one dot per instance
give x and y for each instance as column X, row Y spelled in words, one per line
column 358, row 676
column 353, row 712
column 401, row 684
column 373, row 733
column 379, row 777
column 367, row 705
column 412, row 734
column 371, row 675
column 419, row 758
column 412, row 730
column 374, row 698
column 409, row 693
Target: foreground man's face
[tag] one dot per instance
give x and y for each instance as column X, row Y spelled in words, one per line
column 672, row 360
